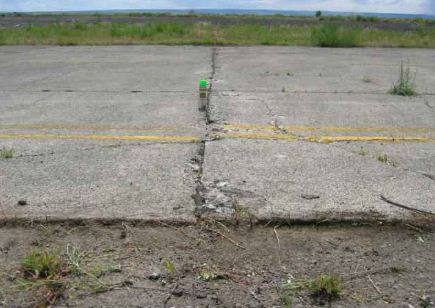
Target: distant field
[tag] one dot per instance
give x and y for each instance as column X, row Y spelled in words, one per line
column 215, row 30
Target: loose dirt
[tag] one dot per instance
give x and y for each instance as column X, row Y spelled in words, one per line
column 213, row 265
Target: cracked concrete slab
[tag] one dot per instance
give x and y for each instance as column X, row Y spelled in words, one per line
column 115, row 133
column 262, row 93
column 302, row 181
column 325, row 110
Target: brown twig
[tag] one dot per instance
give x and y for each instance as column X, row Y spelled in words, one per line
column 279, row 244
column 226, row 237
column 405, row 206
column 374, row 285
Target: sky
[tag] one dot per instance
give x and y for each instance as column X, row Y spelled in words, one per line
column 377, row 6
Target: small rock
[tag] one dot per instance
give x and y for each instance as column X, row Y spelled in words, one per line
column 178, row 292
column 154, row 276
column 22, row 202
column 310, row 197
column 201, row 295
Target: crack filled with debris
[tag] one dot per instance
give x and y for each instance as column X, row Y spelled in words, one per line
column 198, row 161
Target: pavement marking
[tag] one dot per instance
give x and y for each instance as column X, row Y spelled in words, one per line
column 191, row 139
column 325, row 139
column 91, row 127
column 329, row 139
column 305, row 128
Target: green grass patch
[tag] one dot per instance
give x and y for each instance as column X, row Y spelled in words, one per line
column 203, row 33
column 326, row 287
column 6, row 153
column 331, row 35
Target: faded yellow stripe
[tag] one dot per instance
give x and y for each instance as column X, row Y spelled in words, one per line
column 329, row 128
column 325, row 139
column 260, row 136
column 90, row 127
column 328, row 139
column 102, row 137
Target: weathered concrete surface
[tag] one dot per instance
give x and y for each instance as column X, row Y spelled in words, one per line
column 103, row 69
column 325, row 110
column 62, row 110
column 306, row 69
column 274, row 179
column 66, row 180
column 295, row 93
column 114, row 133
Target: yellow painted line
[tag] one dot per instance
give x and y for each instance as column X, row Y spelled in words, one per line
column 329, row 139
column 90, row 127
column 103, row 137
column 325, row 139
column 260, row 136
column 329, row 128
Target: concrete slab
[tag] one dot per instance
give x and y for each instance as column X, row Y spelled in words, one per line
column 307, row 95
column 303, row 181
column 104, row 68
column 325, row 110
column 89, row 180
column 114, row 133
column 271, row 69
column 139, row 113
column 101, row 132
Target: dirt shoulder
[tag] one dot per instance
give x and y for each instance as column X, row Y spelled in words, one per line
column 212, row 265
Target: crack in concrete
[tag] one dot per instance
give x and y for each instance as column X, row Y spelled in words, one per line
column 200, row 188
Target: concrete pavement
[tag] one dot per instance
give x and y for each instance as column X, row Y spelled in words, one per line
column 290, row 133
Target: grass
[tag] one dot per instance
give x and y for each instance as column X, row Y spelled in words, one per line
column 48, row 275
column 367, row 79
column 331, row 35
column 203, row 33
column 326, row 286
column 405, row 86
column 383, row 158
column 43, row 274
column 6, row 153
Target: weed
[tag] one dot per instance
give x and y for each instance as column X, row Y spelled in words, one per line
column 362, row 152
column 38, row 264
column 6, row 153
column 426, row 302
column 330, row 35
column 383, row 158
column 367, row 79
column 325, row 287
column 74, row 260
column 43, row 274
column 405, row 86
column 169, row 266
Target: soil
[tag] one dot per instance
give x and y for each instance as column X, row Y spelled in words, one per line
column 13, row 21
column 213, row 265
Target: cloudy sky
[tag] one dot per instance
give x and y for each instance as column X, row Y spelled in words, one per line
column 384, row 6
